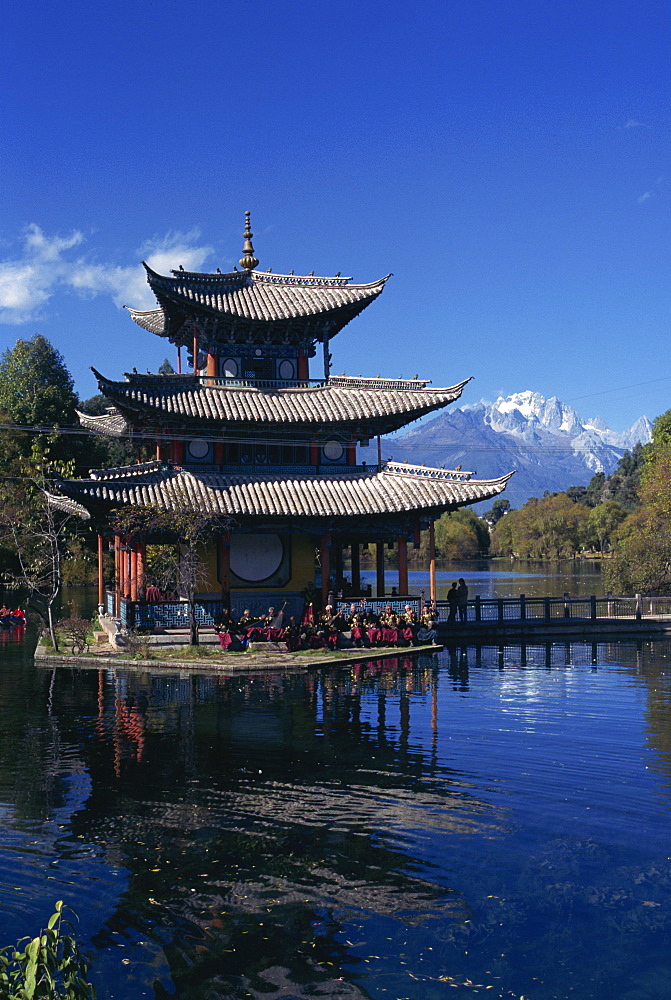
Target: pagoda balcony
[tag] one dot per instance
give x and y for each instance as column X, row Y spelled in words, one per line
column 261, row 383
column 256, row 468
column 339, row 381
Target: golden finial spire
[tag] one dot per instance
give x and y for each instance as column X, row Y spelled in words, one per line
column 248, row 260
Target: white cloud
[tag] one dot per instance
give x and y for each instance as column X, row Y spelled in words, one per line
column 647, row 195
column 45, row 267
column 632, row 123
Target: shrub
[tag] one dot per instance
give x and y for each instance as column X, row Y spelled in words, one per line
column 49, row 966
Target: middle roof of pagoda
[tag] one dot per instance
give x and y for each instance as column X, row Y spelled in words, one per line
column 393, row 489
column 368, row 406
column 253, row 307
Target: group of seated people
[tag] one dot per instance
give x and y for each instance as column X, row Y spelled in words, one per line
column 12, row 616
column 360, row 627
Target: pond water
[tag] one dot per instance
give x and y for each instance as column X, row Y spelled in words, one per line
column 505, row 578
column 492, row 821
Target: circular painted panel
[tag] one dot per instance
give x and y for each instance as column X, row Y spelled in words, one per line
column 198, row 448
column 287, row 369
column 229, row 368
column 255, row 557
column 333, row 450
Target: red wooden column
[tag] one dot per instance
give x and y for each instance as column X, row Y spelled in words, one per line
column 122, row 570
column 379, row 565
column 101, row 570
column 117, row 574
column 126, row 563
column 133, row 572
column 402, row 566
column 356, row 568
column 211, row 366
column 432, row 562
column 177, row 452
column 325, row 553
column 303, row 372
column 141, row 570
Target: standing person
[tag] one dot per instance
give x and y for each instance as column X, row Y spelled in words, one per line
column 462, row 600
column 452, row 598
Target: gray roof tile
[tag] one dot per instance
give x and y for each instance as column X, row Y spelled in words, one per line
column 396, row 488
column 381, row 405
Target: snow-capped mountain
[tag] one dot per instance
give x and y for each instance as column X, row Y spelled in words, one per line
column 547, row 442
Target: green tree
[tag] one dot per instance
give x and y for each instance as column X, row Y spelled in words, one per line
column 35, row 536
column 622, row 485
column 661, row 430
column 499, row 509
column 595, row 489
column 461, row 535
column 603, row 519
column 641, row 562
column 553, row 527
column 642, row 544
column 37, row 391
column 35, row 386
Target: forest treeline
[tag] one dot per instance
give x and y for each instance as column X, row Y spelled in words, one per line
column 624, row 517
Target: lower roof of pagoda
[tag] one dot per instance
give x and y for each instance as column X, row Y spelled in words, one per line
column 394, row 489
column 253, row 306
column 365, row 405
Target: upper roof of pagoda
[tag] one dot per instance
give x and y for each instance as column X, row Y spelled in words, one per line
column 250, row 306
column 367, row 406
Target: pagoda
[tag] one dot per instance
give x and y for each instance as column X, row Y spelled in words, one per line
column 251, row 436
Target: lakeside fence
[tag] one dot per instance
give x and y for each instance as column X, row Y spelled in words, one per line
column 522, row 608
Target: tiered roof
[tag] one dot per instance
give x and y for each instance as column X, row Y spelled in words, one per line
column 395, row 489
column 252, row 307
column 244, row 307
column 365, row 406
column 278, row 311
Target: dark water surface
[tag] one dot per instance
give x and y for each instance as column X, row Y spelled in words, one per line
column 492, row 822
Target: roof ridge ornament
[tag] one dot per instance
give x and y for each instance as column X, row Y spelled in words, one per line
column 248, row 260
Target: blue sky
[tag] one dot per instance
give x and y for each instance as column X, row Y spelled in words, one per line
column 508, row 161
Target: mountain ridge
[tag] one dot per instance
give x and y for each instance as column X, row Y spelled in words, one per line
column 548, row 444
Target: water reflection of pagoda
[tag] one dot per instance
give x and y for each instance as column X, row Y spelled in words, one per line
column 250, row 436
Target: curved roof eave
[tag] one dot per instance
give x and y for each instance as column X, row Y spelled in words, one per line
column 393, row 490
column 371, row 406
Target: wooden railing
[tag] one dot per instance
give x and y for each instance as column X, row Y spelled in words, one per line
column 522, row 608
